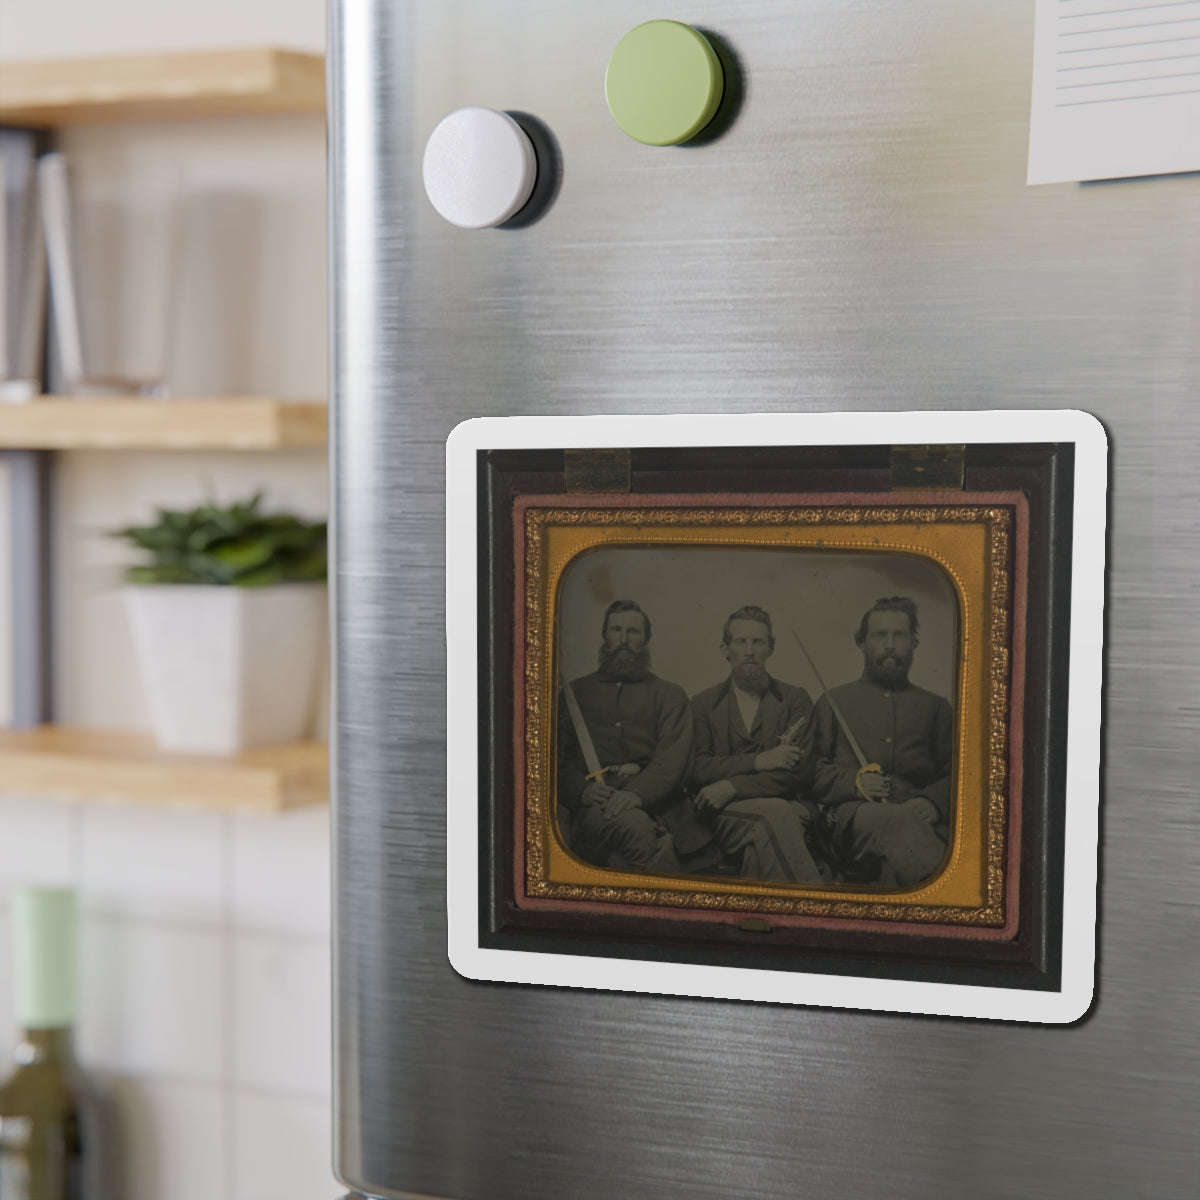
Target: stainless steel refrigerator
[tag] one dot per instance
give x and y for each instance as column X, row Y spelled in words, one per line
column 854, row 232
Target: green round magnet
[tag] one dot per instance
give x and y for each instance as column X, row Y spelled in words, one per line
column 664, row 83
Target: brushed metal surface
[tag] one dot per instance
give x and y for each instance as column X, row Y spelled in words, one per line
column 861, row 238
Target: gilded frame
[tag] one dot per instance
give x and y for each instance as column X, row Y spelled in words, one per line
column 1022, row 537
column 971, row 538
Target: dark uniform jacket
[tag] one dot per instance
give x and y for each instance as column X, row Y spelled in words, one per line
column 647, row 724
column 907, row 730
column 726, row 749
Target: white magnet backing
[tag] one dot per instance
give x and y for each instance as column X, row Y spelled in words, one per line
column 479, row 168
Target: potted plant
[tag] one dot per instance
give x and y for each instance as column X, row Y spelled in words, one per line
column 228, row 620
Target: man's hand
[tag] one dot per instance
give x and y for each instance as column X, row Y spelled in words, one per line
column 714, row 796
column 781, row 757
column 595, row 793
column 617, row 802
column 924, row 808
column 875, row 785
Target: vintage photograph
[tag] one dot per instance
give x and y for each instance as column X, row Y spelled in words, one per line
column 774, row 715
column 794, row 708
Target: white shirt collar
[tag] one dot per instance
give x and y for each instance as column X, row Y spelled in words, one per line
column 747, row 704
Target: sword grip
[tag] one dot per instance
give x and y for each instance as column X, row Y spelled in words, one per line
column 868, row 768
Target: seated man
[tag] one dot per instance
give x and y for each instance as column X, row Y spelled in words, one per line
column 624, row 753
column 887, row 825
column 754, row 758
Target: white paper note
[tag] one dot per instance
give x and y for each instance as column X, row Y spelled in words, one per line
column 1116, row 89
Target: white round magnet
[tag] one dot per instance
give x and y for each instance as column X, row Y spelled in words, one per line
column 479, row 168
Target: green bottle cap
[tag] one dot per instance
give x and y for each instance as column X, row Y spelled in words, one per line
column 44, row 923
column 664, row 83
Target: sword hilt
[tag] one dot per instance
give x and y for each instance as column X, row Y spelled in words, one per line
column 625, row 769
column 867, row 768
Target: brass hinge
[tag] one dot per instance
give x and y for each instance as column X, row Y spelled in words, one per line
column 755, row 925
column 938, row 467
column 597, row 470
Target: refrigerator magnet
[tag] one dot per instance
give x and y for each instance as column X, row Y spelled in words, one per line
column 752, row 708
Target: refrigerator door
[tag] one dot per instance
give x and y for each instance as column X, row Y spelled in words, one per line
column 856, row 234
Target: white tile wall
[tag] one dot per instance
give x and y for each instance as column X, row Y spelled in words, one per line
column 38, row 843
column 179, row 873
column 159, row 1000
column 281, row 1015
column 171, row 1142
column 205, row 989
column 292, row 896
column 281, row 1150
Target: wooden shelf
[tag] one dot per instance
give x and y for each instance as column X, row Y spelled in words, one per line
column 227, row 423
column 80, row 764
column 216, row 83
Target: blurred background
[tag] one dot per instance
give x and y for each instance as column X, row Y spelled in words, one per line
column 205, row 937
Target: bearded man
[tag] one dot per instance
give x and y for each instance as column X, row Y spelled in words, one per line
column 754, row 758
column 635, row 816
column 890, row 825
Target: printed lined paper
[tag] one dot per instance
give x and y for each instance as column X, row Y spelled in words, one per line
column 1116, row 89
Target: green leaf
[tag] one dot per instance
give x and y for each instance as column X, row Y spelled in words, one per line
column 235, row 544
column 262, row 576
column 162, row 574
column 243, row 553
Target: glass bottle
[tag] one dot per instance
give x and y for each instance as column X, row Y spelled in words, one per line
column 41, row 1122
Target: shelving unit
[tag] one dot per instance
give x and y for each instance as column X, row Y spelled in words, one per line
column 79, row 764
column 219, row 83
column 82, row 764
column 224, row 423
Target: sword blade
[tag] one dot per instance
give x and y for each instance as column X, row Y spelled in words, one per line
column 837, row 712
column 590, row 757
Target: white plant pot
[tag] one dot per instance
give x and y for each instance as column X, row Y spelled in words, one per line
column 227, row 668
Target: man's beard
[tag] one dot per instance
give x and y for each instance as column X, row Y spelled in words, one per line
column 624, row 665
column 751, row 677
column 889, row 670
